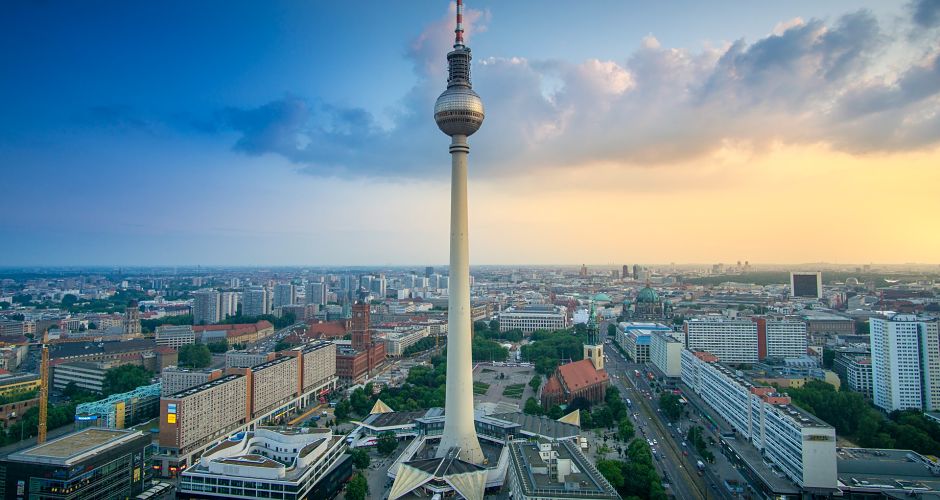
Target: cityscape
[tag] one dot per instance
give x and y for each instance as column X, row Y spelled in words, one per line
column 692, row 251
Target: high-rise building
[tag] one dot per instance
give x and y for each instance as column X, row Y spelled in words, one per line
column 316, row 293
column 206, row 307
column 732, row 340
column 636, row 271
column 626, row 272
column 379, row 286
column 255, row 302
column 229, row 305
column 285, row 294
column 806, row 285
column 459, row 113
column 428, row 271
column 905, row 357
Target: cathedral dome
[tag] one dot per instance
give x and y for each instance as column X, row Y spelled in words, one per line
column 647, row 296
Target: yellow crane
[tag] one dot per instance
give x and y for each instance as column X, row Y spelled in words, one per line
column 43, row 389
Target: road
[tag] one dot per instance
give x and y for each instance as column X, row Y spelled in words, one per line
column 683, row 480
column 670, row 439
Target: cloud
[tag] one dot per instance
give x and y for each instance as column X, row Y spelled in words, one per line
column 808, row 82
column 926, row 13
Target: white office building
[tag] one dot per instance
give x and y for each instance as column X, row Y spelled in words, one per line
column 905, row 358
column 206, row 307
column 175, row 336
column 399, row 339
column 255, row 302
column 666, row 353
column 732, row 340
column 796, row 442
column 533, row 317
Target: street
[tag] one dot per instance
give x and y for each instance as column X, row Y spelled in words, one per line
column 668, row 437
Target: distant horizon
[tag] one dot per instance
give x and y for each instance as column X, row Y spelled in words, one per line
column 803, row 266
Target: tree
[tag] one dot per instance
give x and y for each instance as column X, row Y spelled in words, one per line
column 555, row 412
column 671, row 405
column 625, row 430
column 194, row 356
column 611, row 471
column 494, row 325
column 387, row 443
column 535, row 383
column 532, row 407
column 342, row 409
column 125, row 378
column 282, row 345
column 360, row 401
column 218, row 347
column 358, row 487
column 360, row 458
column 68, row 300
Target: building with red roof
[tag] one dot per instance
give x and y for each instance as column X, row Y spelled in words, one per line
column 579, row 379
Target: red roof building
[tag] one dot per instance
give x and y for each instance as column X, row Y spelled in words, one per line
column 575, row 380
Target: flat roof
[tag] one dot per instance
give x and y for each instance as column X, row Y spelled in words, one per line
column 541, row 426
column 752, row 457
column 877, row 469
column 74, row 447
column 586, row 483
column 202, row 387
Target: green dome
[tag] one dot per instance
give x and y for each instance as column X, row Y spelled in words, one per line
column 647, row 296
column 602, row 297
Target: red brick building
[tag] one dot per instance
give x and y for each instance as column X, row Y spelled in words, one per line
column 574, row 380
column 364, row 355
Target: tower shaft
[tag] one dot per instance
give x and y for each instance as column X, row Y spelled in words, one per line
column 459, row 430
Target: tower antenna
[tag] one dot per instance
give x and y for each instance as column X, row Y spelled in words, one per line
column 458, row 39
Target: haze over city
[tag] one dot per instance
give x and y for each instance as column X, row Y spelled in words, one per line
column 174, row 133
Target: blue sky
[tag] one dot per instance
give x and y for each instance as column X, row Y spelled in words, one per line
column 299, row 132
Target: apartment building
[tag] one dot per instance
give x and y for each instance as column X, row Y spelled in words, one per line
column 905, row 357
column 796, row 442
column 732, row 340
column 174, row 379
column 634, row 338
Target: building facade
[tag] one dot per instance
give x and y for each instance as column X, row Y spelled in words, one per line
column 732, row 340
column 206, row 307
column 175, row 335
column 285, row 294
column 798, row 443
column 119, row 411
column 255, row 302
column 90, row 463
column 905, row 357
column 533, row 317
column 665, row 352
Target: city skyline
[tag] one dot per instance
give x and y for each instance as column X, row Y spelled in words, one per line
column 769, row 133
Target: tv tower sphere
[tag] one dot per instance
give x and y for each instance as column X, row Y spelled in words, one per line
column 459, row 110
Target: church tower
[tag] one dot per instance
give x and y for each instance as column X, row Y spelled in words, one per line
column 593, row 349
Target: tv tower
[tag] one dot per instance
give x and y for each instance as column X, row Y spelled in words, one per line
column 459, row 113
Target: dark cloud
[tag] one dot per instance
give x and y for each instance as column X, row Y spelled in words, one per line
column 809, row 83
column 926, row 13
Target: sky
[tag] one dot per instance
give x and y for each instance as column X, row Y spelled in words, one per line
column 616, row 132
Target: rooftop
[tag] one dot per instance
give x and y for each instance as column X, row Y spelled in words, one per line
column 202, row 387
column 875, row 469
column 541, row 426
column 75, row 447
column 584, row 481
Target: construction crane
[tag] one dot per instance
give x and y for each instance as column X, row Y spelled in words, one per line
column 43, row 389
